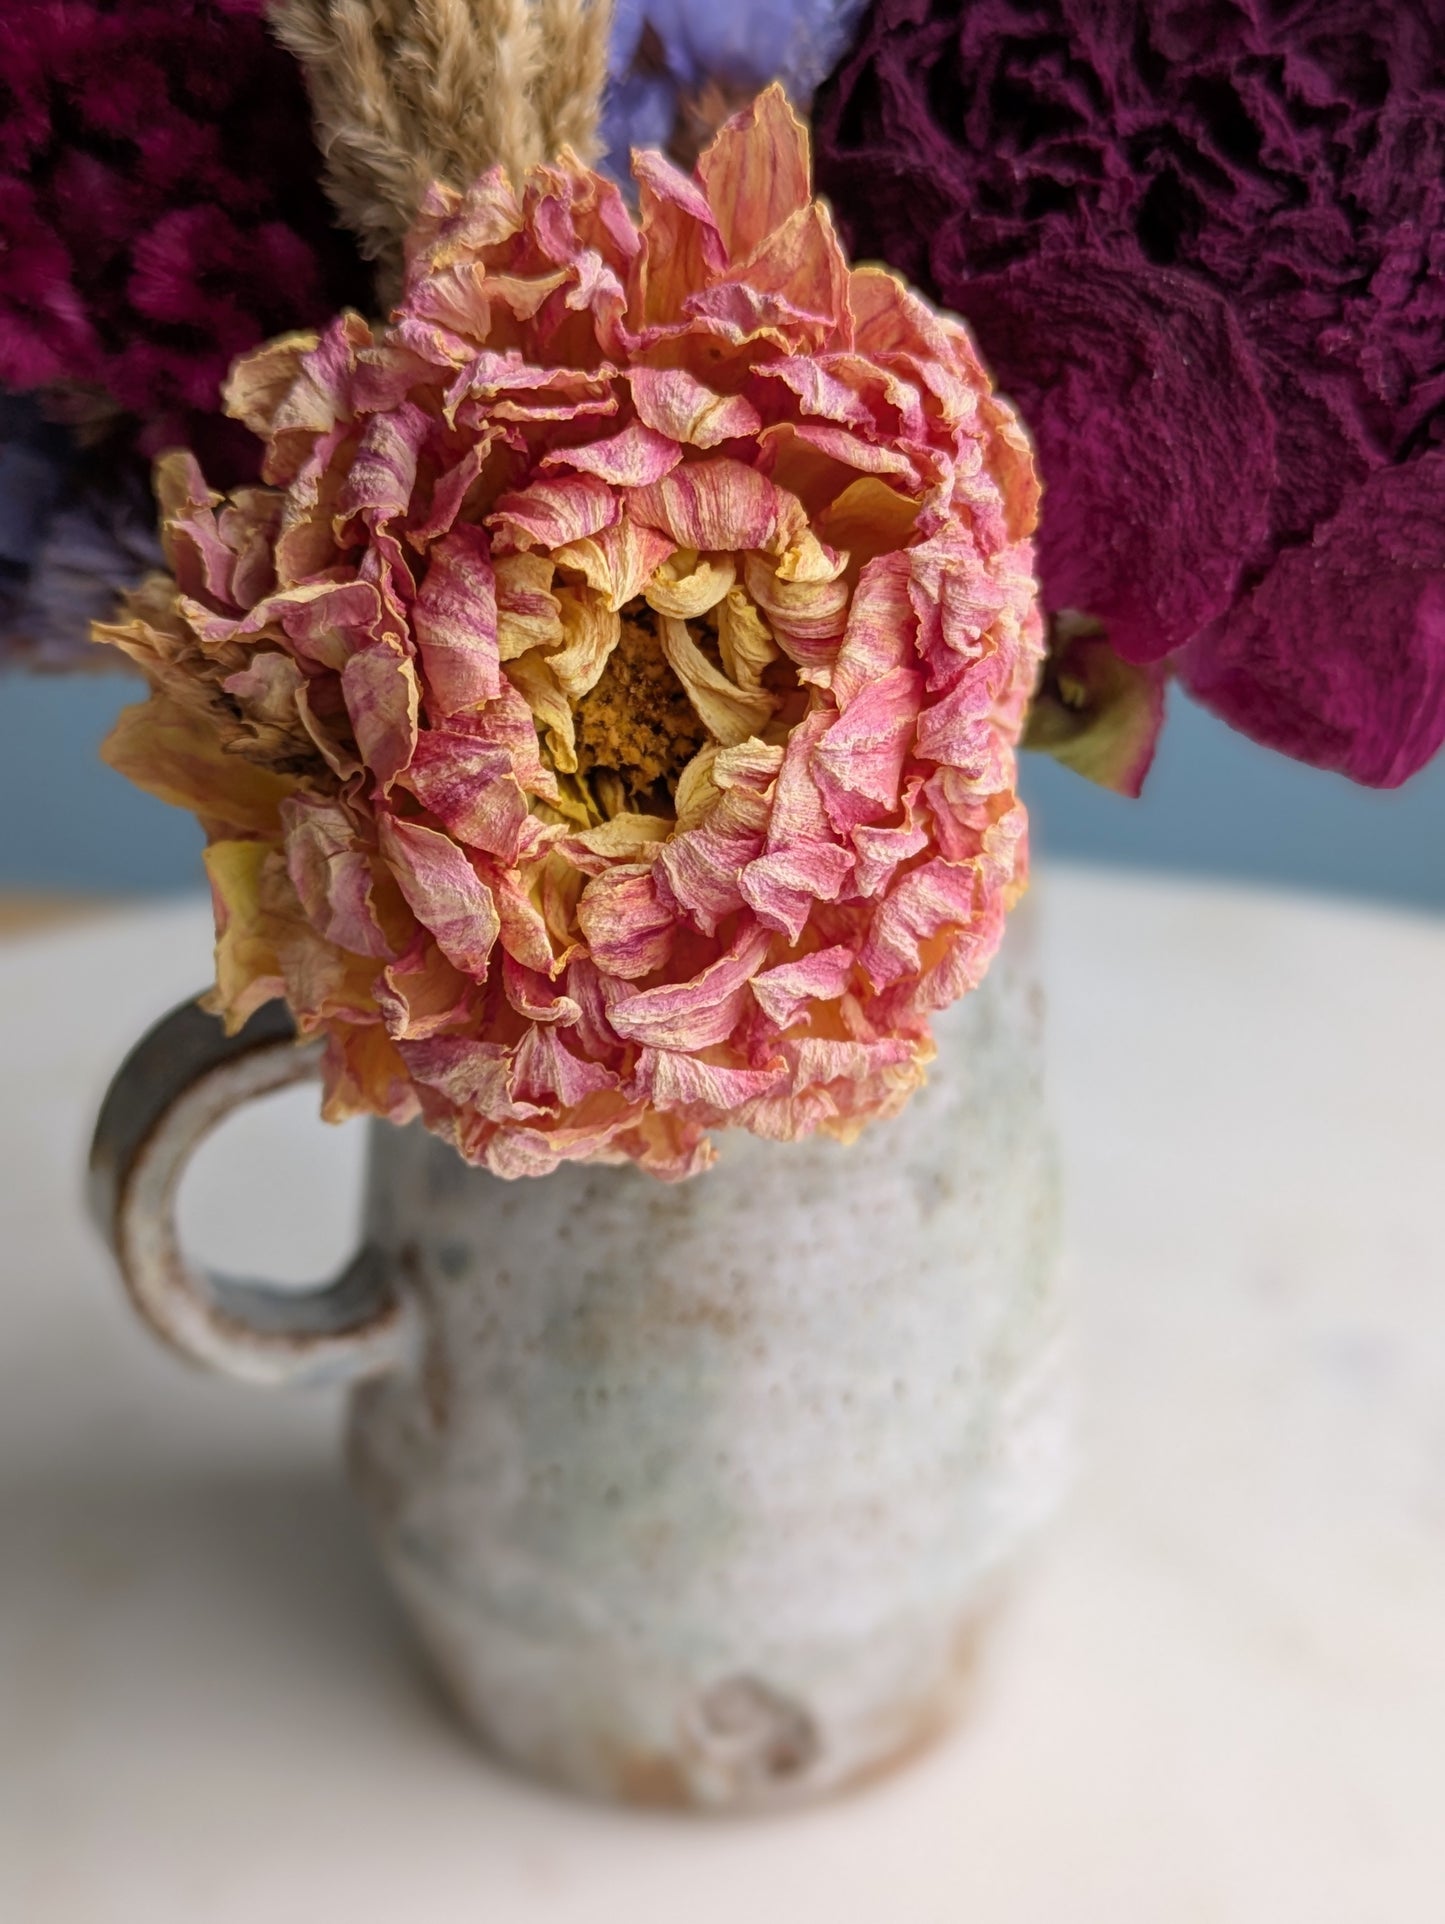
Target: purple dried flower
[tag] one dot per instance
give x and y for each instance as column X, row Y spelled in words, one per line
column 77, row 524
column 678, row 66
column 1202, row 243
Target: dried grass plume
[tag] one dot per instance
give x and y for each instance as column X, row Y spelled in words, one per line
column 410, row 91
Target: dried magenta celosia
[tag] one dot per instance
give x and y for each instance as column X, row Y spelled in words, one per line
column 604, row 724
column 160, row 208
column 1203, row 247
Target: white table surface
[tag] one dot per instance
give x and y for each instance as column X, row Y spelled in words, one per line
column 1221, row 1695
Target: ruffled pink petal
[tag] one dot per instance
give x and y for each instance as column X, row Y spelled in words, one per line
column 443, row 891
column 785, row 992
column 949, row 730
column 880, row 852
column 421, row 994
column 856, row 452
column 379, row 686
column 455, row 624
column 451, row 489
column 807, row 617
column 469, row 1074
column 634, row 458
column 783, row 887
column 696, row 1014
column 858, row 763
column 327, row 621
column 675, row 1080
column 492, row 375
column 678, row 405
column 470, row 785
column 381, row 480
column 548, row 1072
column 720, row 504
column 882, row 628
column 629, row 930
column 819, row 391
column 699, row 870
column 533, row 994
column 935, row 897
column 332, row 875
column 524, row 934
column 955, row 967
column 550, row 513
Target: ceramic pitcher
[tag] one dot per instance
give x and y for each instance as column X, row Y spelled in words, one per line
column 697, row 1494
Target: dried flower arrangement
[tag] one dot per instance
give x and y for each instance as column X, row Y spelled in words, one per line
column 604, row 722
column 603, row 717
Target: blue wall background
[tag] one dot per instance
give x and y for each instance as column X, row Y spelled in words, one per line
column 1215, row 804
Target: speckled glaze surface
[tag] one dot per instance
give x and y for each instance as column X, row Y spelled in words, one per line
column 701, row 1494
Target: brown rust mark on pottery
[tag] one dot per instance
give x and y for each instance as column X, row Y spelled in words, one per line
column 942, row 1713
column 651, row 1780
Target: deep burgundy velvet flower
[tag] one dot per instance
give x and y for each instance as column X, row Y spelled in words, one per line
column 160, row 208
column 1202, row 243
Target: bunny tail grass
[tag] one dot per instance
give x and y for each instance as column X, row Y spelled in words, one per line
column 405, row 92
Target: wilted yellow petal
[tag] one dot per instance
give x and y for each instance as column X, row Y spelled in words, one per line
column 527, row 611
column 808, row 561
column 590, row 629
column 248, row 967
column 260, row 382
column 727, row 713
column 532, row 677
column 697, row 792
column 688, row 584
column 619, row 561
column 629, row 837
column 174, row 753
column 868, row 518
column 743, row 640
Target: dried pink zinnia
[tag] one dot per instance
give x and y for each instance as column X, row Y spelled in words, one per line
column 604, row 726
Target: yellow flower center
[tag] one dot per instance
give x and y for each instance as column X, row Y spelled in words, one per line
column 636, row 729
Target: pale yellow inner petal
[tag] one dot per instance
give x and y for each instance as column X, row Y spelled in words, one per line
column 689, row 584
column 744, row 641
column 729, row 714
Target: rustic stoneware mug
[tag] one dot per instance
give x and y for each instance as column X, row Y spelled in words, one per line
column 697, row 1494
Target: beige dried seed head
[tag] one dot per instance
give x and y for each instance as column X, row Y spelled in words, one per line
column 405, row 92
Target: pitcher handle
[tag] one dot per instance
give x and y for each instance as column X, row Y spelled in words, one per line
column 178, row 1082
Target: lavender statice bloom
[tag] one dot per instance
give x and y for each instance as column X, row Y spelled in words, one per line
column 677, row 66
column 77, row 525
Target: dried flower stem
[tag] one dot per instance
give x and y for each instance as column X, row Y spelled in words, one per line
column 410, row 91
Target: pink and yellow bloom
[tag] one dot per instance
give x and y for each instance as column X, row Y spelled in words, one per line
column 603, row 722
